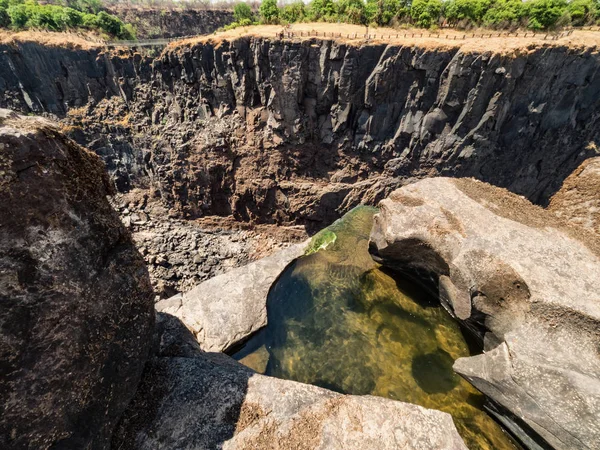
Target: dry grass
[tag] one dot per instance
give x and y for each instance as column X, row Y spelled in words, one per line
column 51, row 39
column 447, row 38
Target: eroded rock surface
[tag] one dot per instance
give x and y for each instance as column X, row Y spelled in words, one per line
column 180, row 254
column 75, row 297
column 228, row 308
column 194, row 400
column 578, row 200
column 300, row 131
column 525, row 281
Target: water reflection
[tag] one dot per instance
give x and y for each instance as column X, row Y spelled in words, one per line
column 338, row 321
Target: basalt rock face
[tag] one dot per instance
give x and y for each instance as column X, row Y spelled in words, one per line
column 522, row 279
column 300, row 131
column 153, row 23
column 76, row 310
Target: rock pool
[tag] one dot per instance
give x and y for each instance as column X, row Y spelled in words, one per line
column 337, row 320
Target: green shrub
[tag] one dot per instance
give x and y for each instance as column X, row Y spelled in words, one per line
column 321, row 10
column 269, row 12
column 582, row 12
column 18, row 16
column 351, row 11
column 503, row 13
column 242, row 11
column 30, row 14
column 382, row 12
column 293, row 12
column 472, row 10
column 544, row 13
column 426, row 12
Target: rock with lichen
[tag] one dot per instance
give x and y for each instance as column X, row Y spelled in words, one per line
column 75, row 297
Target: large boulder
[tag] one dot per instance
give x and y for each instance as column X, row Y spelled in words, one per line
column 194, row 400
column 75, row 297
column 522, row 279
column 226, row 309
column 578, row 200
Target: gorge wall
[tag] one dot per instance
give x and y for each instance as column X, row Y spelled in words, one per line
column 164, row 23
column 299, row 131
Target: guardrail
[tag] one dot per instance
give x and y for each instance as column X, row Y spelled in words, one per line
column 438, row 35
column 544, row 36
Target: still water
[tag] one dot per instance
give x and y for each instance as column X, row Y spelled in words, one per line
column 336, row 319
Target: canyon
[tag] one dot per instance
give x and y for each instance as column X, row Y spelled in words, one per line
column 221, row 151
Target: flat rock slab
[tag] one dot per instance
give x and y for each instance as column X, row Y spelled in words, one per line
column 578, row 200
column 526, row 280
column 230, row 307
column 194, row 400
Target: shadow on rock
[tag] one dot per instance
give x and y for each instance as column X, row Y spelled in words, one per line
column 187, row 398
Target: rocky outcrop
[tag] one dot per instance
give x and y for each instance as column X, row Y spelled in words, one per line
column 302, row 130
column 525, row 282
column 180, row 254
column 165, row 23
column 578, row 200
column 225, row 310
column 75, row 297
column 189, row 399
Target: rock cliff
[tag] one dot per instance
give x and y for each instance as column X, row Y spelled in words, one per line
column 164, row 23
column 76, row 309
column 525, row 282
column 299, row 131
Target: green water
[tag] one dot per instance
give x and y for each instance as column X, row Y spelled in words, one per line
column 337, row 320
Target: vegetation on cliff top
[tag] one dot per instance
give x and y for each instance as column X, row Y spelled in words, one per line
column 464, row 14
column 77, row 14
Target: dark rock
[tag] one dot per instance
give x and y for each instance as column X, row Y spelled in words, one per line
column 165, row 23
column 75, row 297
column 258, row 128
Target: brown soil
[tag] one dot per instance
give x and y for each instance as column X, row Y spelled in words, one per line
column 579, row 196
column 447, row 38
column 79, row 41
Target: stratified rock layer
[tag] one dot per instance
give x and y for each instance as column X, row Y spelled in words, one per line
column 228, row 308
column 525, row 281
column 301, row 131
column 578, row 200
column 75, row 297
column 194, row 400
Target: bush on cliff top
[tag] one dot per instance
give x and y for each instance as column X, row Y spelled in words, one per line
column 534, row 14
column 28, row 14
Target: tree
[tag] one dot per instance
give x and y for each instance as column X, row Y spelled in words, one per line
column 473, row 10
column 504, row 12
column 4, row 17
column 321, row 10
column 269, row 11
column 351, row 11
column 383, row 11
column 582, row 12
column 544, row 13
column 294, row 12
column 18, row 15
column 242, row 11
column 425, row 12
